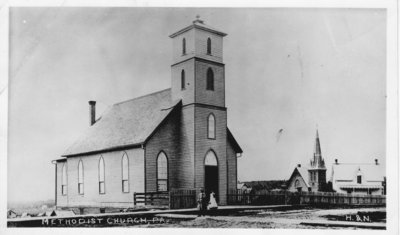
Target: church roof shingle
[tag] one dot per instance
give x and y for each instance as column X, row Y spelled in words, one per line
column 125, row 124
column 129, row 124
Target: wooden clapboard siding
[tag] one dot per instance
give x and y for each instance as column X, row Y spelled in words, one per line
column 218, row 145
column 113, row 195
column 169, row 139
column 231, row 160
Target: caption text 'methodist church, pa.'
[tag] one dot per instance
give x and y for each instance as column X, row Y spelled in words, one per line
column 176, row 138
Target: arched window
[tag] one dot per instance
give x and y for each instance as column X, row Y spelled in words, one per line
column 211, row 159
column 209, row 46
column 210, row 79
column 297, row 184
column 162, row 172
column 80, row 177
column 125, row 174
column 211, row 126
column 183, row 79
column 183, row 46
column 102, row 189
column 64, row 179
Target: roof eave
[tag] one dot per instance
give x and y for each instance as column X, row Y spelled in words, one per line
column 236, row 145
column 179, row 103
column 115, row 148
column 198, row 27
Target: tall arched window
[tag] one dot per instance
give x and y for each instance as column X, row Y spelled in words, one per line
column 183, row 46
column 125, row 174
column 211, row 159
column 210, row 79
column 64, row 179
column 211, row 126
column 102, row 189
column 80, row 177
column 162, row 172
column 183, row 79
column 208, row 46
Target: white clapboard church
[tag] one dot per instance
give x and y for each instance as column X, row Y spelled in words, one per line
column 176, row 138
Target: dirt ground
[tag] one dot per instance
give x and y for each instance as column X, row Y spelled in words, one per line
column 277, row 219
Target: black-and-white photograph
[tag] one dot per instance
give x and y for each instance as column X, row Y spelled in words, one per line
column 199, row 117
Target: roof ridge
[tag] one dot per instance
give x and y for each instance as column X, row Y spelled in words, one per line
column 143, row 96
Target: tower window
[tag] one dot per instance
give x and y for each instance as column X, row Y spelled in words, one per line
column 80, row 177
column 183, row 80
column 359, row 180
column 64, row 180
column 183, row 46
column 208, row 46
column 125, row 174
column 211, row 127
column 210, row 80
column 162, row 172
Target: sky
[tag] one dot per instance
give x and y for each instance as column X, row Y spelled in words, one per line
column 288, row 72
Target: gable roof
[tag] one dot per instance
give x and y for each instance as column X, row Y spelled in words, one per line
column 199, row 24
column 371, row 172
column 126, row 124
column 303, row 172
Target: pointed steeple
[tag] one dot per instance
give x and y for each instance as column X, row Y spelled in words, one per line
column 317, row 161
column 317, row 149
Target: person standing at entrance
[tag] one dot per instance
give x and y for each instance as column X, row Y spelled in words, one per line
column 202, row 202
column 212, row 205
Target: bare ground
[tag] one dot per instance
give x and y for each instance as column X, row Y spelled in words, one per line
column 273, row 219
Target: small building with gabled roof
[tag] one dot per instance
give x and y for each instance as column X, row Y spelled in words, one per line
column 176, row 138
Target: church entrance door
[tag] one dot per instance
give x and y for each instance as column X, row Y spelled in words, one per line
column 211, row 179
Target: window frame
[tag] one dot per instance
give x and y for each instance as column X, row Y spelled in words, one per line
column 102, row 182
column 123, row 180
column 210, row 80
column 208, row 46
column 184, row 46
column 81, row 189
column 359, row 179
column 158, row 180
column 64, row 187
column 183, row 80
column 211, row 152
column 297, row 183
column 208, row 127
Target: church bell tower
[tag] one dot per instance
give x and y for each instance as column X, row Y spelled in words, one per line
column 198, row 79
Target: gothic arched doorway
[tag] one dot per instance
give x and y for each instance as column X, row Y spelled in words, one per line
column 211, row 181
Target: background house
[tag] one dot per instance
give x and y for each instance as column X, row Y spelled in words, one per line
column 358, row 178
